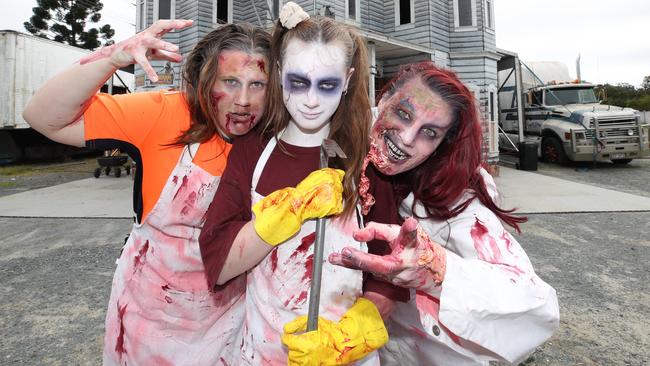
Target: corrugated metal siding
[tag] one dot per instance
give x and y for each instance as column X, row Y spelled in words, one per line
column 372, row 15
column 418, row 31
column 248, row 11
column 189, row 36
column 477, row 70
column 480, row 72
column 439, row 25
column 391, row 66
column 204, row 13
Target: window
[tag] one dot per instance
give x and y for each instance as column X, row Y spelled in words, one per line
column 489, row 14
column 464, row 13
column 141, row 15
column 563, row 96
column 164, row 9
column 352, row 7
column 221, row 11
column 404, row 12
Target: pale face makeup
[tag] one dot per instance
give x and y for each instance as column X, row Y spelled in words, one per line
column 411, row 125
column 314, row 76
column 239, row 90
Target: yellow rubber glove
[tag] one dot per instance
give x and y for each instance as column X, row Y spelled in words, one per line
column 280, row 214
column 360, row 331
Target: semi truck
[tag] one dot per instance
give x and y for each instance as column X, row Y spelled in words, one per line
column 26, row 62
column 565, row 119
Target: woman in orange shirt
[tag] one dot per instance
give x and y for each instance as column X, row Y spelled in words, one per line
column 161, row 310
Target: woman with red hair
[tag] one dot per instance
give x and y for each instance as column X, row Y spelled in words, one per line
column 474, row 296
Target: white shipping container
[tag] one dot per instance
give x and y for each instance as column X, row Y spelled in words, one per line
column 26, row 62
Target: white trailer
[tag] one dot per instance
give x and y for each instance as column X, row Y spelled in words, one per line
column 26, row 62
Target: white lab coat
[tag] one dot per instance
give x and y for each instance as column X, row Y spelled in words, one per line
column 490, row 306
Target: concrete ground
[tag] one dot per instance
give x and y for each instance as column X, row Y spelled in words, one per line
column 58, row 258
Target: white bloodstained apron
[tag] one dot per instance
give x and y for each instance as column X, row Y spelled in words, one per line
column 161, row 311
column 278, row 287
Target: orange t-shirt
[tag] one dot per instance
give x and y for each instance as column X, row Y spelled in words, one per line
column 143, row 125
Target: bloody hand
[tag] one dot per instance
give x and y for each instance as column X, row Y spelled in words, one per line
column 415, row 261
column 143, row 47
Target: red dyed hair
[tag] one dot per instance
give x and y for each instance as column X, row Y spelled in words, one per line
column 441, row 180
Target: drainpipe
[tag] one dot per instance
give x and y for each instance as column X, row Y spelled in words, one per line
column 520, row 100
column 373, row 71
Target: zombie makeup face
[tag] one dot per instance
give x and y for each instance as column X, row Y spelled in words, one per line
column 314, row 76
column 411, row 125
column 238, row 93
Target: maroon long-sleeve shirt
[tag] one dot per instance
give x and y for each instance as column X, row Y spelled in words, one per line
column 231, row 208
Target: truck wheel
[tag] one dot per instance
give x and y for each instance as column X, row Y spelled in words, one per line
column 97, row 172
column 118, row 172
column 621, row 161
column 552, row 151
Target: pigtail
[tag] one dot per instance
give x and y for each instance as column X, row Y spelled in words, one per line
column 275, row 116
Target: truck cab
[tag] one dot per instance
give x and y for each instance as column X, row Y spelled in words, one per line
column 569, row 123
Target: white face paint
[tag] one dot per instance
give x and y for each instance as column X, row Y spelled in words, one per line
column 314, row 76
column 411, row 125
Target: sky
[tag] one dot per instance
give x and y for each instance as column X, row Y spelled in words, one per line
column 120, row 14
column 611, row 37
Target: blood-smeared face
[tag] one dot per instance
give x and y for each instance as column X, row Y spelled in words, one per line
column 314, row 76
column 411, row 124
column 238, row 92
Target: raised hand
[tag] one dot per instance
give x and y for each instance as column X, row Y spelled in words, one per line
column 415, row 261
column 280, row 214
column 142, row 47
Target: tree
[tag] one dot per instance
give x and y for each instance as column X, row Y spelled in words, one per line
column 646, row 83
column 625, row 95
column 65, row 21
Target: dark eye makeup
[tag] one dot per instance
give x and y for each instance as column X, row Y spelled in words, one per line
column 296, row 83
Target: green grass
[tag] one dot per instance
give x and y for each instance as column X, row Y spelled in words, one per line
column 84, row 165
column 8, row 184
column 15, row 170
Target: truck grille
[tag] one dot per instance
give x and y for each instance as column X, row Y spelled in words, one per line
column 615, row 128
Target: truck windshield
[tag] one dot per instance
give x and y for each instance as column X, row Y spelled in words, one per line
column 570, row 96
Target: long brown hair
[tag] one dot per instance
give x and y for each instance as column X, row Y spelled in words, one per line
column 441, row 180
column 350, row 124
column 200, row 74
